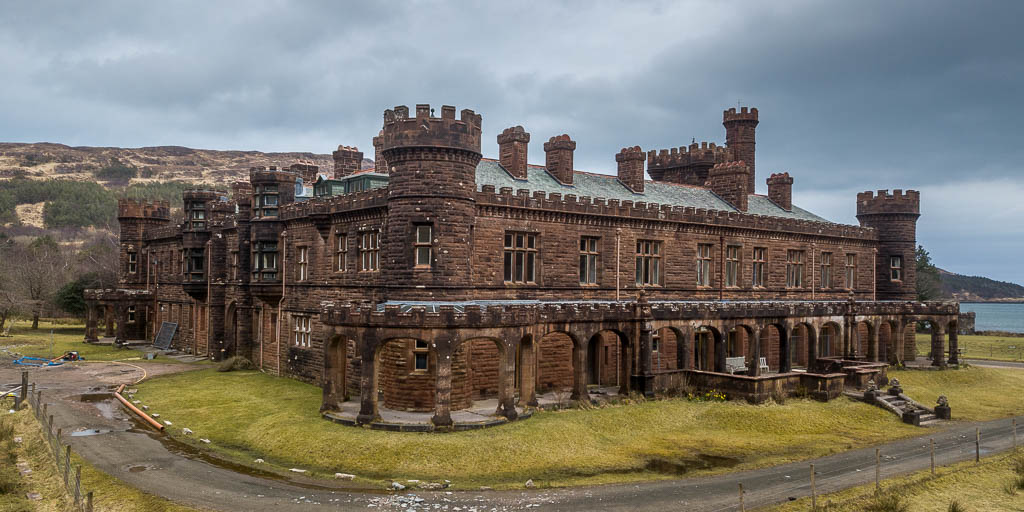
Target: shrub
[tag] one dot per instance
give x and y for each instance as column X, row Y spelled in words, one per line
column 887, row 503
column 955, row 506
column 116, row 171
column 235, row 363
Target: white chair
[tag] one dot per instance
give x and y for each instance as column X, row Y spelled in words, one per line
column 764, row 365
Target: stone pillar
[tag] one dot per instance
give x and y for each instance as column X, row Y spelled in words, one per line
column 954, row 346
column 506, row 386
column 873, row 342
column 108, row 318
column 367, row 383
column 755, row 354
column 443, row 388
column 625, row 367
column 528, row 374
column 785, row 351
column 685, row 347
column 579, row 372
column 720, row 355
column 90, row 323
column 938, row 344
column 812, row 347
column 120, row 334
column 646, row 384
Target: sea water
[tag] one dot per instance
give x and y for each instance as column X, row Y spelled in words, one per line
column 996, row 317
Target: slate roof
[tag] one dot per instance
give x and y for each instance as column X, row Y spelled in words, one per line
column 490, row 172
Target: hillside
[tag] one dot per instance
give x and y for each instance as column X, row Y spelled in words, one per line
column 88, row 180
column 975, row 288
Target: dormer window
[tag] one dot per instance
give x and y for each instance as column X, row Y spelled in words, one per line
column 265, row 201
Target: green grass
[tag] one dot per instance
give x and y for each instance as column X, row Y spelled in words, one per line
column 996, row 348
column 250, row 414
column 974, row 393
column 976, row 487
column 109, row 493
column 66, row 337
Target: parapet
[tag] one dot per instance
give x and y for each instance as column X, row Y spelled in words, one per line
column 629, row 154
column 899, row 201
column 513, row 134
column 704, row 153
column 734, row 167
column 425, row 130
column 130, row 208
column 744, row 114
column 562, row 141
column 202, row 195
column 780, row 178
column 270, row 173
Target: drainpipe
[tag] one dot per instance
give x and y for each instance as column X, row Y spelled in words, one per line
column 874, row 275
column 618, row 246
column 280, row 302
column 259, row 335
column 721, row 267
column 209, row 298
column 814, row 249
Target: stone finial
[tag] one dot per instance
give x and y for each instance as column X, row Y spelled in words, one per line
column 943, row 401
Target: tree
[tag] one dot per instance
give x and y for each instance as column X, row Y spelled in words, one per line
column 39, row 269
column 929, row 283
column 8, row 287
column 71, row 296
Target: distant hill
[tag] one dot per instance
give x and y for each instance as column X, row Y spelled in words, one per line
column 89, row 179
column 975, row 288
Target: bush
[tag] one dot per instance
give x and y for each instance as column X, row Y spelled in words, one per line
column 235, row 363
column 955, row 506
column 116, row 171
column 887, row 503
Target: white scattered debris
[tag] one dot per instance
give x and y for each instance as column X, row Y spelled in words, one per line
column 156, row 415
column 397, row 486
column 145, row 407
column 431, row 486
column 168, row 423
column 344, row 476
column 187, row 431
column 207, row 441
column 529, row 484
column 259, row 461
column 136, row 402
column 297, row 470
column 17, row 440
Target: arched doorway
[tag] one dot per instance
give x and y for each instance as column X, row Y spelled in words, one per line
column 707, row 343
column 335, row 381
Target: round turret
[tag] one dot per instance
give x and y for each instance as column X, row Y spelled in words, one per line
column 894, row 216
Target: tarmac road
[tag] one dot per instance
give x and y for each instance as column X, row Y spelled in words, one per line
column 131, row 453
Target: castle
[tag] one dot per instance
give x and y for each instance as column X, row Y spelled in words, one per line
column 441, row 277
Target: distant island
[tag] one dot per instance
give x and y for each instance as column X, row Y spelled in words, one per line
column 979, row 289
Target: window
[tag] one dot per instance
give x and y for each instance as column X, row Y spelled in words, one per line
column 369, row 251
column 420, row 356
column 588, row 260
column 648, row 263
column 423, row 246
column 340, row 252
column 181, row 261
column 265, row 201
column 264, row 261
column 655, row 342
column 198, row 217
column 131, row 314
column 234, row 265
column 133, row 262
column 760, row 264
column 851, row 271
column 303, row 263
column 732, row 266
column 303, row 330
column 520, row 258
column 896, row 268
column 794, row 269
column 703, row 264
column 826, row 270
column 196, row 264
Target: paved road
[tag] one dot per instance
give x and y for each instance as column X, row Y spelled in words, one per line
column 140, row 459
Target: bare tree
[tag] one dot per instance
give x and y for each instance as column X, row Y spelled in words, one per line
column 39, row 270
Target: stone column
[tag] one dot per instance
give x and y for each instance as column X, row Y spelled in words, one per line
column 443, row 387
column 938, row 344
column 646, row 361
column 625, row 354
column 367, row 382
column 755, row 354
column 785, row 352
column 812, row 346
column 954, row 346
column 720, row 355
column 528, row 373
column 120, row 335
column 873, row 342
column 90, row 323
column 108, row 318
column 506, row 386
column 579, row 372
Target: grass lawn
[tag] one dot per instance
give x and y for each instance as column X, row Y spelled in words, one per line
column 995, row 484
column 66, row 337
column 974, row 393
column 250, row 415
column 109, row 494
column 997, row 348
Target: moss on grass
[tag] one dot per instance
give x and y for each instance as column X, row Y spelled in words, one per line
column 66, row 337
column 996, row 348
column 974, row 393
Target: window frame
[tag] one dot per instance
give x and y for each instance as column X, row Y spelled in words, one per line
column 825, row 269
column 648, row 271
column 418, row 246
column 896, row 268
column 589, row 255
column 705, row 258
column 795, row 259
column 302, row 263
column 733, row 266
column 340, row 252
column 261, row 272
column 759, row 267
column 851, row 270
column 369, row 250
column 521, row 253
column 133, row 262
column 302, row 327
column 420, row 349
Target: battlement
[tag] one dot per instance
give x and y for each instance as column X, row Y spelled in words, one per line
column 737, row 166
column 373, row 198
column 202, row 194
column 899, row 201
column 538, row 202
column 425, row 130
column 131, row 208
column 704, row 153
column 744, row 114
column 513, row 134
column 270, row 173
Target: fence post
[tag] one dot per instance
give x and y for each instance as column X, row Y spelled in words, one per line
column 19, row 399
column 932, row 441
column 814, row 491
column 78, row 485
column 977, row 444
column 67, row 464
column 1015, row 434
column 878, row 470
column 88, row 502
column 742, row 509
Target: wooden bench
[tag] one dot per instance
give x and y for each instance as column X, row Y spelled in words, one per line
column 735, row 364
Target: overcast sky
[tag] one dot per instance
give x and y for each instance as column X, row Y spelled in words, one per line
column 852, row 95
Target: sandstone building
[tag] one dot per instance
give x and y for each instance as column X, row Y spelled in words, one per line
column 441, row 277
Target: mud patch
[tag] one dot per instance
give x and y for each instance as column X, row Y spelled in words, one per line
column 703, row 462
column 82, row 432
column 95, row 397
column 138, row 468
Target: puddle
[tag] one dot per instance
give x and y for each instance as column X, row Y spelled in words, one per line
column 138, row 468
column 681, row 467
column 95, row 397
column 89, row 432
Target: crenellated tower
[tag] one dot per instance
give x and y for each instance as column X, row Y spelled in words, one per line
column 740, row 137
column 431, row 201
column 686, row 165
column 136, row 218
column 894, row 216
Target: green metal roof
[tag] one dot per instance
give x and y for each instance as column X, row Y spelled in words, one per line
column 490, row 172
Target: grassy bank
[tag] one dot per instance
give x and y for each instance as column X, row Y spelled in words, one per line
column 996, row 348
column 974, row 393
column 110, row 494
column 249, row 414
column 995, row 484
column 66, row 337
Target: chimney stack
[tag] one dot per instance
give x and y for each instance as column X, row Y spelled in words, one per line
column 512, row 151
column 347, row 161
column 729, row 181
column 380, row 165
column 558, row 157
column 631, row 168
column 780, row 190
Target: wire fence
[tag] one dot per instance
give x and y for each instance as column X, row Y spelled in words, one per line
column 61, row 452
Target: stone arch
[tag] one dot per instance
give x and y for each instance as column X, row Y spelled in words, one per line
column 335, row 376
column 936, row 352
column 708, row 349
column 805, row 344
column 888, row 336
column 865, row 336
column 830, row 340
column 776, row 348
column 398, row 377
column 610, row 359
column 482, row 369
column 526, row 370
column 555, row 365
